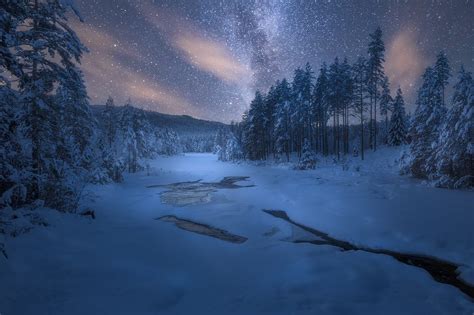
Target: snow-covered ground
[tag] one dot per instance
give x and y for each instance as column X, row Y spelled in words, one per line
column 126, row 262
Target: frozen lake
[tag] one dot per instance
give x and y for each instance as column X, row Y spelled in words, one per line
column 183, row 240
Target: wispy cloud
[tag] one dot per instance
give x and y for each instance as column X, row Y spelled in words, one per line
column 199, row 50
column 106, row 73
column 211, row 57
column 404, row 62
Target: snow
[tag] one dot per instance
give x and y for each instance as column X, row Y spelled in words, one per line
column 125, row 262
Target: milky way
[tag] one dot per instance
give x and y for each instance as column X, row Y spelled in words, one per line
column 206, row 58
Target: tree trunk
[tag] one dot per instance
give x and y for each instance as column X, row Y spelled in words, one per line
column 35, row 122
column 370, row 122
column 375, row 117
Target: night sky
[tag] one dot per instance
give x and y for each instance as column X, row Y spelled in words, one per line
column 206, row 58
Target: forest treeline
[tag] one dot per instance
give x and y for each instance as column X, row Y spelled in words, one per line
column 348, row 108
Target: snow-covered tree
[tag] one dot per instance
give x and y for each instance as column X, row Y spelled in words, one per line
column 41, row 53
column 109, row 120
column 50, row 51
column 308, row 158
column 359, row 72
column 15, row 156
column 254, row 144
column 340, row 96
column 375, row 62
column 454, row 155
column 136, row 140
column 425, row 126
column 170, row 142
column 443, row 72
column 270, row 104
column 385, row 104
column 12, row 14
column 282, row 121
column 321, row 109
column 397, row 131
column 297, row 107
column 300, row 110
column 231, row 151
column 220, row 140
column 76, row 118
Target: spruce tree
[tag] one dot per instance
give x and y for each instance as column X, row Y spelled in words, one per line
column 307, row 91
column 335, row 101
column 109, row 121
column 50, row 52
column 308, row 159
column 270, row 104
column 321, row 109
column 454, row 156
column 340, row 96
column 254, row 138
column 397, row 131
column 282, row 120
column 359, row 72
column 376, row 59
column 443, row 72
column 385, row 104
column 300, row 106
column 12, row 15
column 425, row 125
column 347, row 97
column 79, row 125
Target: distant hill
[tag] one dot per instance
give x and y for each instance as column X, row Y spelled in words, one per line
column 184, row 125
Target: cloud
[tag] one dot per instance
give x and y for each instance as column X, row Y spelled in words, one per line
column 404, row 62
column 107, row 74
column 212, row 57
column 146, row 92
column 199, row 50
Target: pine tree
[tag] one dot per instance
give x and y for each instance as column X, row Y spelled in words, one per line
column 443, row 72
column 12, row 14
column 347, row 97
column 41, row 53
column 386, row 102
column 170, row 142
column 109, row 121
column 15, row 160
column 231, row 150
column 335, row 100
column 254, row 134
column 220, row 140
column 321, row 109
column 308, row 159
column 340, row 97
column 454, row 156
column 425, row 125
column 269, row 108
column 282, row 120
column 307, row 91
column 376, row 59
column 359, row 71
column 300, row 103
column 50, row 51
column 397, row 130
column 79, row 125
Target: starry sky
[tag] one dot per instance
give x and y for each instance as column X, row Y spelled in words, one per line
column 206, row 58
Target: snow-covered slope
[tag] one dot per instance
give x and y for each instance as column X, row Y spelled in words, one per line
column 182, row 124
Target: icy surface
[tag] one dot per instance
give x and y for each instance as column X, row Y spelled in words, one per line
column 125, row 262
